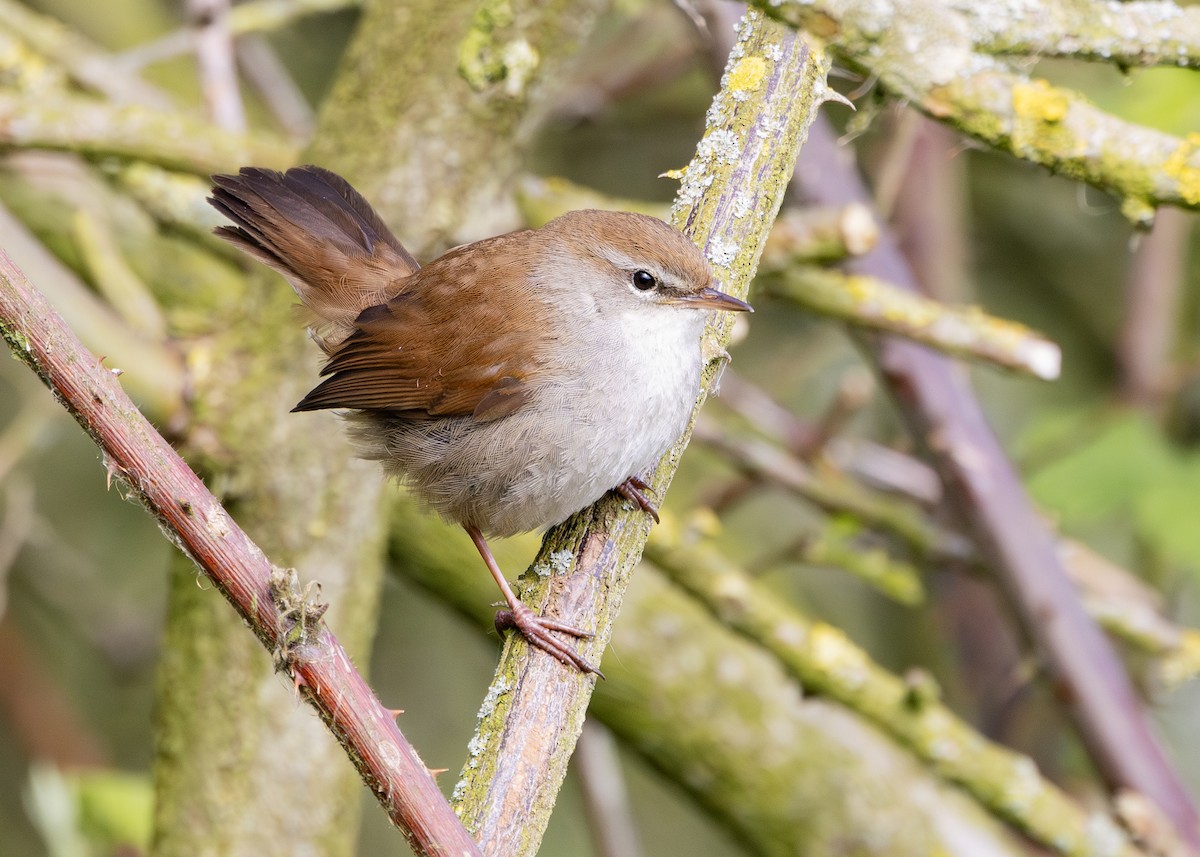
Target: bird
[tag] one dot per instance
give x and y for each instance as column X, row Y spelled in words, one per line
column 512, row 381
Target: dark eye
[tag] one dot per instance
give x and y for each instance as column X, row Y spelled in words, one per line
column 644, row 281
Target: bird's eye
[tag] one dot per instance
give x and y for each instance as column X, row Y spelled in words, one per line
column 644, row 281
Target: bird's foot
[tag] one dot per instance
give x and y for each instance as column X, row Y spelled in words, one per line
column 632, row 489
column 537, row 632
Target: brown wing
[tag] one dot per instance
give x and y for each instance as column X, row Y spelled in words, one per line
column 464, row 338
column 314, row 228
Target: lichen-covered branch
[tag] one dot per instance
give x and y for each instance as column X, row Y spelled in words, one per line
column 732, row 189
column 826, row 662
column 195, row 521
column 93, row 128
column 810, row 784
column 1143, row 33
column 928, row 52
column 959, row 331
column 84, row 62
column 985, row 492
column 1140, row 33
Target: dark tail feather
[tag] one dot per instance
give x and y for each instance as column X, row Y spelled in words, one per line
column 314, row 228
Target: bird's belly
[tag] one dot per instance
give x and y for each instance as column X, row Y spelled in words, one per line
column 534, row 468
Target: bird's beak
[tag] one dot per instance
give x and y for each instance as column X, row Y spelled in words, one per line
column 710, row 298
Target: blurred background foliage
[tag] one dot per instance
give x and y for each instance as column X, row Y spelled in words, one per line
column 83, row 575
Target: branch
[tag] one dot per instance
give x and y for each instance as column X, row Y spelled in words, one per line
column 732, row 190
column 928, row 52
column 826, row 662
column 809, row 784
column 286, row 622
column 981, row 485
column 75, row 124
column 85, row 63
column 871, row 303
column 1128, row 34
column 255, row 16
column 209, row 20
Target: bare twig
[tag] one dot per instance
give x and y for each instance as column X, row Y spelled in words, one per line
column 267, row 73
column 1151, row 309
column 192, row 518
column 214, row 55
column 255, row 16
column 605, row 797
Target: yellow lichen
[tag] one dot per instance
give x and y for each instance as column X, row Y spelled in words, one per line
column 1180, row 166
column 1039, row 101
column 747, row 74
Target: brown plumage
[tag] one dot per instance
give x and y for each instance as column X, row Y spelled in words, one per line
column 510, row 382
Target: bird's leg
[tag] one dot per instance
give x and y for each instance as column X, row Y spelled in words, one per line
column 632, row 490
column 534, row 628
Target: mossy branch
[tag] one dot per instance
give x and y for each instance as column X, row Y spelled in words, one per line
column 732, row 189
column 938, row 55
column 92, row 128
column 960, row 331
column 826, row 662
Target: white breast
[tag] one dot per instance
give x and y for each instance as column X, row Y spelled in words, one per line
column 625, row 395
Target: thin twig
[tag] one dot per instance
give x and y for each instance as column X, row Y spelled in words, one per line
column 962, row 331
column 214, row 55
column 605, row 798
column 196, row 522
column 267, row 74
column 255, row 16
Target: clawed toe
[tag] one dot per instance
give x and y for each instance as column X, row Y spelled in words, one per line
column 632, row 489
column 537, row 632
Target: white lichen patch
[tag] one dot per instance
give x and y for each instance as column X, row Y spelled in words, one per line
column 721, row 146
column 560, row 561
column 722, row 252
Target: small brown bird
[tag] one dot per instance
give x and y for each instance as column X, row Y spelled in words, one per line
column 511, row 382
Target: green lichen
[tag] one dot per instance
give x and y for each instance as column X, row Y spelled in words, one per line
column 486, row 59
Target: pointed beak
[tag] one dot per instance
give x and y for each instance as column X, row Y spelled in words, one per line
column 712, row 299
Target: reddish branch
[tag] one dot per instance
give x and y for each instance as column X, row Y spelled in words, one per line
column 193, row 518
column 981, row 485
